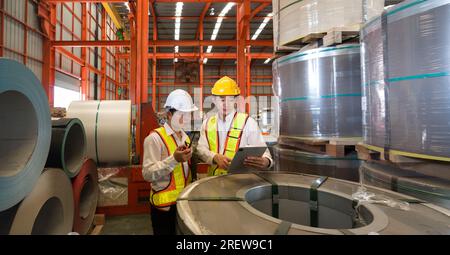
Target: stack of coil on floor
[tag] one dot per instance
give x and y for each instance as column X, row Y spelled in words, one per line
column 38, row 158
column 320, row 97
column 406, row 98
column 406, row 77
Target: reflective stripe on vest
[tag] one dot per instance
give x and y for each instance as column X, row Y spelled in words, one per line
column 168, row 196
column 231, row 144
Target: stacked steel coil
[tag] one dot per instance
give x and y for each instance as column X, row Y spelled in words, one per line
column 406, row 80
column 34, row 200
column 320, row 97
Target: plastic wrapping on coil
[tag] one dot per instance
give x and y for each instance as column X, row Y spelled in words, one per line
column 295, row 19
column 406, row 79
column 430, row 189
column 291, row 160
column 113, row 187
column 320, row 92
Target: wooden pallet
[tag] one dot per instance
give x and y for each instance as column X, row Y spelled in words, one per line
column 428, row 166
column 334, row 36
column 336, row 147
column 97, row 224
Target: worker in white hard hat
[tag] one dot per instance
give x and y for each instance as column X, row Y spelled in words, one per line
column 165, row 162
column 224, row 133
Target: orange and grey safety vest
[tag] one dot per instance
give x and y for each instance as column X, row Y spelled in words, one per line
column 232, row 141
column 178, row 180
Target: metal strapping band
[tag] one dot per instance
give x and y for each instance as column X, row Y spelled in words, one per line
column 283, row 228
column 387, row 122
column 314, row 201
column 275, row 194
column 346, row 232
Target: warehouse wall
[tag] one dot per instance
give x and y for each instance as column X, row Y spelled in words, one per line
column 22, row 38
column 69, row 20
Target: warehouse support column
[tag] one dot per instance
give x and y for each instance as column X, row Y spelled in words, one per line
column 84, row 68
column 200, row 36
column 47, row 15
column 242, row 35
column 155, row 37
column 103, row 53
column 143, row 37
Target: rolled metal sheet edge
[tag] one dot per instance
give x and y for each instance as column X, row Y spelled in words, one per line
column 24, row 133
column 68, row 146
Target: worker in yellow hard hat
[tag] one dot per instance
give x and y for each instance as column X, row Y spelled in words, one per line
column 165, row 162
column 224, row 133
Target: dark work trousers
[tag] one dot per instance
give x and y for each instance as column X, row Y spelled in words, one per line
column 163, row 222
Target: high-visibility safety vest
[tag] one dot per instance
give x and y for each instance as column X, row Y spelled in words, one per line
column 232, row 141
column 178, row 180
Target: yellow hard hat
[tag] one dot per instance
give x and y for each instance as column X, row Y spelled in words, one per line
column 226, row 87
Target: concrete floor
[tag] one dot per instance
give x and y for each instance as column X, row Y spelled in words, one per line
column 128, row 225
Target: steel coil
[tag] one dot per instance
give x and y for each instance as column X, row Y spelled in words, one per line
column 295, row 204
column 406, row 79
column 47, row 210
column 108, row 129
column 292, row 160
column 294, row 20
column 68, row 146
column 25, row 130
column 85, row 195
column 320, row 92
column 431, row 189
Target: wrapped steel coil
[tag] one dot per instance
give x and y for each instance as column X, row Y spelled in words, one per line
column 108, row 129
column 292, row 160
column 294, row 204
column 47, row 210
column 25, row 130
column 68, row 146
column 294, row 20
column 85, row 195
column 431, row 189
column 320, row 92
column 406, row 79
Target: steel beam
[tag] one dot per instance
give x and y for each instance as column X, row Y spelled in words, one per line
column 161, row 43
column 48, row 68
column 242, row 35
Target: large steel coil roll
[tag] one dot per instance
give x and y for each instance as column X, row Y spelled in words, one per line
column 406, row 79
column 68, row 146
column 47, row 210
column 431, row 189
column 85, row 195
column 320, row 92
column 294, row 20
column 294, row 204
column 25, row 130
column 292, row 160
column 108, row 129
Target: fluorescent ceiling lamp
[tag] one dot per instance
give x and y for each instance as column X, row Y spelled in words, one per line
column 226, row 9
column 262, row 26
column 176, row 49
column 178, row 11
column 218, row 24
column 205, row 60
column 175, row 60
column 127, row 5
column 267, row 61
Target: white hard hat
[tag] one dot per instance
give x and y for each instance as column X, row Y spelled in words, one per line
column 180, row 100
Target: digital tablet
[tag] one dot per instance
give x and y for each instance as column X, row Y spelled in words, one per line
column 237, row 164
